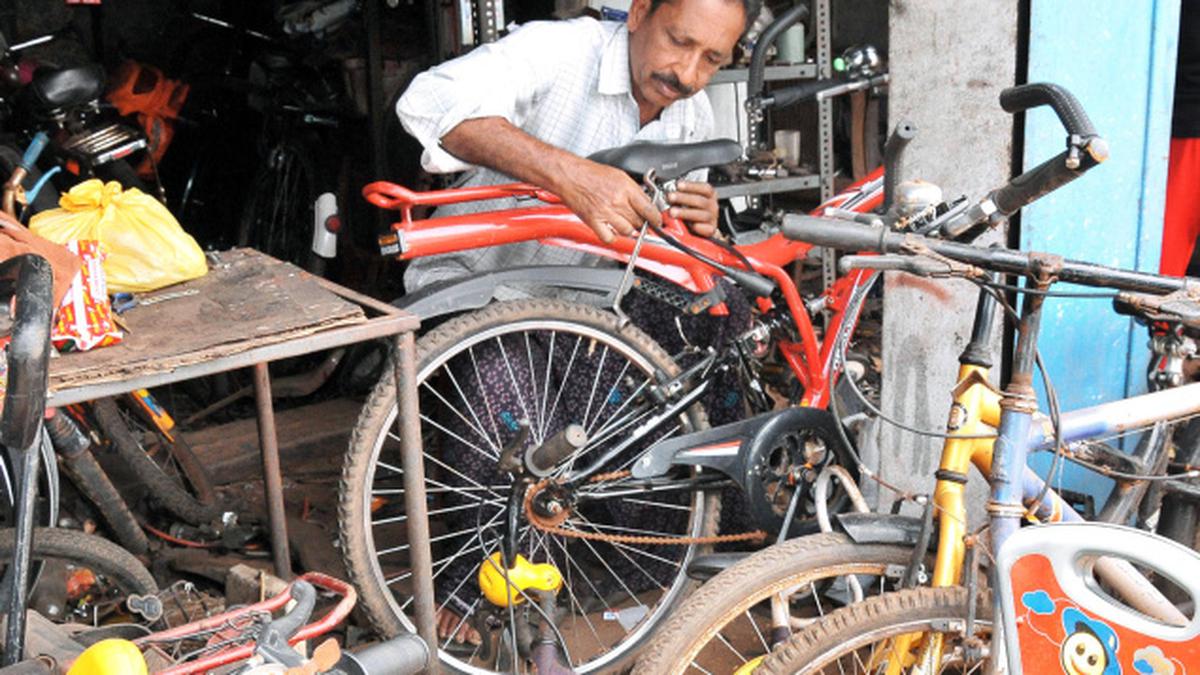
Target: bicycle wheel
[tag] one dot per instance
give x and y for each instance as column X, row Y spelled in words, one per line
column 277, row 217
column 554, row 363
column 726, row 624
column 81, row 578
column 889, row 633
column 164, row 463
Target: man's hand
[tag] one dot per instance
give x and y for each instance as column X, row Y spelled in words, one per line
column 696, row 205
column 607, row 199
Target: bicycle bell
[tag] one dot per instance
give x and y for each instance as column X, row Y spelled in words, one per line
column 916, row 199
column 860, row 62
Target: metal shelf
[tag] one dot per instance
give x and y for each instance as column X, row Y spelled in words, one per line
column 769, row 186
column 798, row 71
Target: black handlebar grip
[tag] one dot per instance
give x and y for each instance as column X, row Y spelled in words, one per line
column 1040, row 180
column 1065, row 105
column 833, row 233
column 796, row 93
column 758, row 60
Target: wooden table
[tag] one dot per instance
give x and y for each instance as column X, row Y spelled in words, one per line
column 249, row 310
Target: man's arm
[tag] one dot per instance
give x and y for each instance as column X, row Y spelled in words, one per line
column 605, row 198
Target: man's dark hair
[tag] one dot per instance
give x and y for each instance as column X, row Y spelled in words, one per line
column 750, row 7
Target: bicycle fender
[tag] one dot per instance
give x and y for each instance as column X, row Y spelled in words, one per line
column 879, row 528
column 461, row 295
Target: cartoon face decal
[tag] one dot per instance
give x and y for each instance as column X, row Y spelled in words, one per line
column 1082, row 654
column 1052, row 627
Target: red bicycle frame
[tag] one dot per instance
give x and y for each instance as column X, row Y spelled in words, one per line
column 553, row 224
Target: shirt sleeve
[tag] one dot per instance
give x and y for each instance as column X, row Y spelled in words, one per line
column 499, row 79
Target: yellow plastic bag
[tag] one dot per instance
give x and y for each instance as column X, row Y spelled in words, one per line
column 145, row 246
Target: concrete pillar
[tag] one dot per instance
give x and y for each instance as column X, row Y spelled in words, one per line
column 948, row 61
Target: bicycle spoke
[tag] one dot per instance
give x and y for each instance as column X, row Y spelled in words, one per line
column 478, row 429
column 595, row 382
column 449, row 372
column 487, row 404
column 516, row 388
column 607, row 400
column 631, row 561
column 545, row 423
column 431, row 422
column 564, row 379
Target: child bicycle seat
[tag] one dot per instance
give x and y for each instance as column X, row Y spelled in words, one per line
column 1058, row 619
column 669, row 160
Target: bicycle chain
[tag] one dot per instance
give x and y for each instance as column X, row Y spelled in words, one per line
column 553, row 525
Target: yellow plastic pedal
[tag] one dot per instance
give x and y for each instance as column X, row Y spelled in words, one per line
column 524, row 576
column 110, row 657
column 750, row 666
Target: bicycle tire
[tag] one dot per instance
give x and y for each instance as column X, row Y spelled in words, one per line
column 277, row 216
column 363, row 532
column 106, row 560
column 826, row 646
column 724, row 620
column 180, row 493
column 94, row 484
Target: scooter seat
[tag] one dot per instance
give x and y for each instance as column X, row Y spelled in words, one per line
column 67, row 87
column 669, row 160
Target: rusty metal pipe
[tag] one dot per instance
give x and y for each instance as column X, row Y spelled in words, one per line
column 412, row 461
column 12, row 188
column 268, row 443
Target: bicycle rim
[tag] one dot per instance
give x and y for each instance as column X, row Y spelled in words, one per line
column 891, row 633
column 729, row 623
column 614, row 593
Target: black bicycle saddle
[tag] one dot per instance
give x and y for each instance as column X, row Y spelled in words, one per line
column 669, row 160
column 67, row 87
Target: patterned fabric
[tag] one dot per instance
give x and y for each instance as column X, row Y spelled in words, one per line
column 564, row 82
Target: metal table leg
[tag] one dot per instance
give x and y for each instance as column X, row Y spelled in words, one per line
column 412, row 461
column 268, row 443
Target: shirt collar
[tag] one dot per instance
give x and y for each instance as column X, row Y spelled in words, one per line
column 614, row 64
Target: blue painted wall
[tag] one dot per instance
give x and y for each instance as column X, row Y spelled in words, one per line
column 1118, row 58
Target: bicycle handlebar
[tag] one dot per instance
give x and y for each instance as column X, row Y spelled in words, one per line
column 819, row 90
column 844, row 235
column 1035, row 94
column 1085, row 149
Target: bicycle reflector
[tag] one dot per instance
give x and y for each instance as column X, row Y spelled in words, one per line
column 524, row 576
column 326, row 223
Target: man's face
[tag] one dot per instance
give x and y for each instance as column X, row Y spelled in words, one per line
column 675, row 50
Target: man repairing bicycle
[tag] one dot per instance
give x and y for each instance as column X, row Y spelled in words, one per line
column 533, row 105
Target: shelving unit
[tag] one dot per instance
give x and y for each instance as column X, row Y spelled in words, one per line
column 821, row 68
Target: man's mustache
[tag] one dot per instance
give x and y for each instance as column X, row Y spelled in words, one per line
column 673, row 83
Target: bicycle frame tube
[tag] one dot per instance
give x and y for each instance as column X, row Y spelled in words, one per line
column 553, row 224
